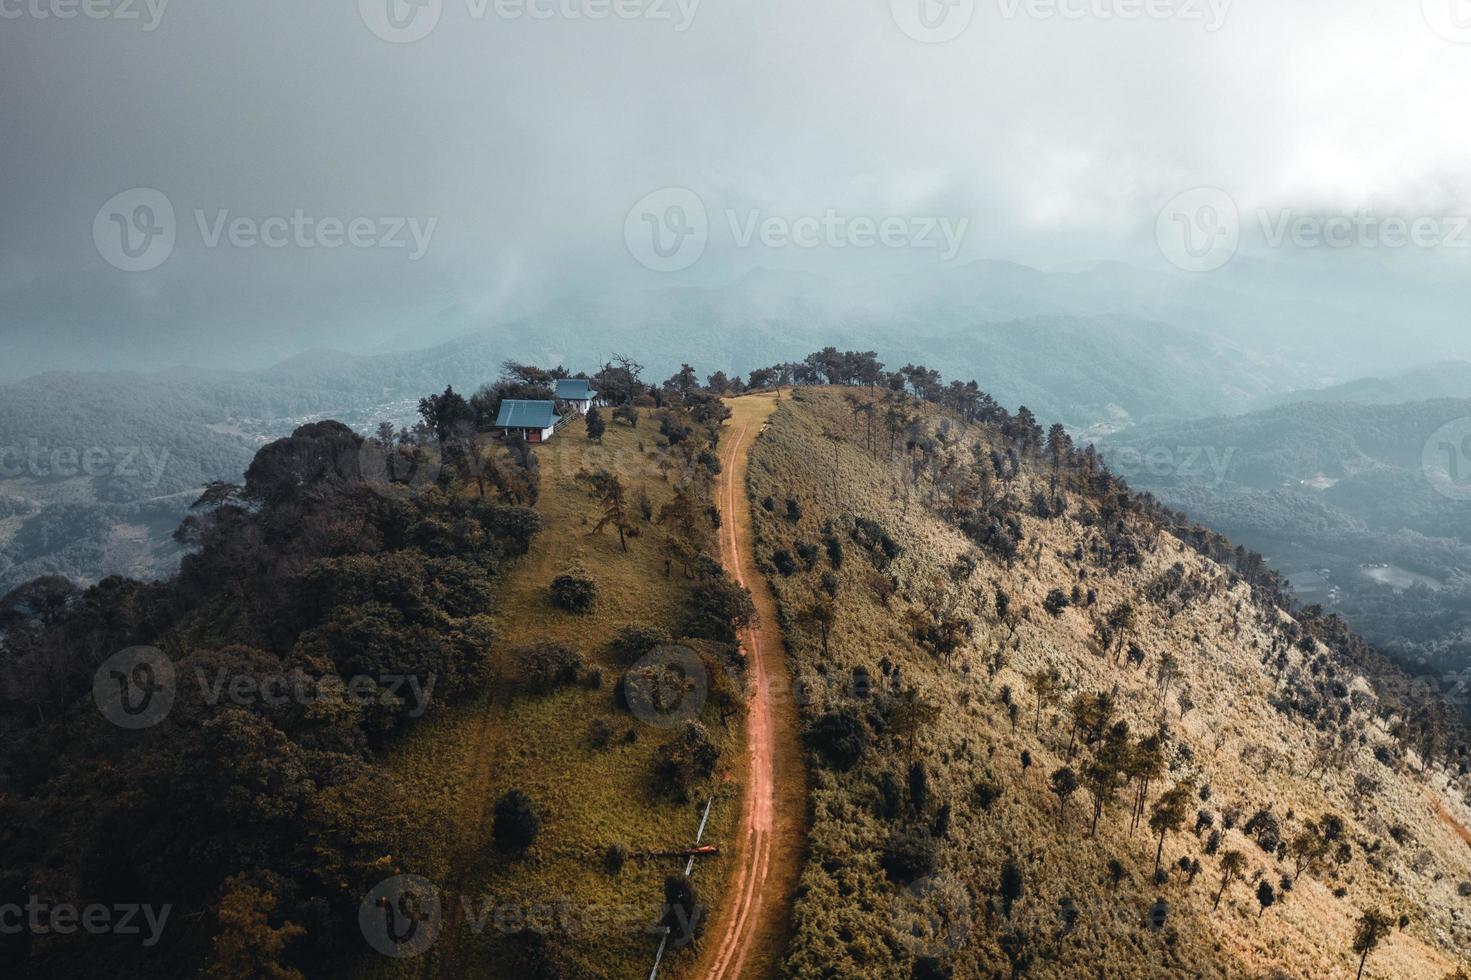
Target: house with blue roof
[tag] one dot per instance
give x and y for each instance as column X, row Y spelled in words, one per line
column 577, row 392
column 534, row 421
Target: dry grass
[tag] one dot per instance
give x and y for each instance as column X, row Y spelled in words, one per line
column 851, row 922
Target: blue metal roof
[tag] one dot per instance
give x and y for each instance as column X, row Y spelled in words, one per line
column 575, row 389
column 517, row 413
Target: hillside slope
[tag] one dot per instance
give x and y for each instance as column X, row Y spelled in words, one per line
column 578, row 750
column 1357, row 504
column 973, row 688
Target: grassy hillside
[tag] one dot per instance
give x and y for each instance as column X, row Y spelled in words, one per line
column 940, row 720
column 558, row 907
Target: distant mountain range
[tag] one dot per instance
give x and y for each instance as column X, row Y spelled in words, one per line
column 1334, row 494
column 1103, row 348
column 1446, row 379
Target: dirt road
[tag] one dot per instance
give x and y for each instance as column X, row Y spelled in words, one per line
column 748, row 931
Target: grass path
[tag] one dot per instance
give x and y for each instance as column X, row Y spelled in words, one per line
column 749, row 930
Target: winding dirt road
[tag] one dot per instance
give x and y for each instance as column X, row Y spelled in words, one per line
column 749, row 929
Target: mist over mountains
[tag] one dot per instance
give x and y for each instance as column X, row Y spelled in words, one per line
column 1102, row 348
column 1297, row 323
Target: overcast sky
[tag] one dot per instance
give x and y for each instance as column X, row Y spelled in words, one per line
column 515, row 146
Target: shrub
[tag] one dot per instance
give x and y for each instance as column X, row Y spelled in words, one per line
column 988, row 791
column 614, row 858
column 876, row 541
column 930, row 968
column 517, row 823
column 574, row 591
column 908, row 856
column 599, row 733
column 632, row 642
column 548, row 666
column 513, row 528
column 783, row 561
column 1264, row 827
column 719, row 608
column 684, row 916
column 839, row 739
column 686, row 759
column 1056, row 601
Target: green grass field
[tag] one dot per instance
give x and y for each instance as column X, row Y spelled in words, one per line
column 459, row 762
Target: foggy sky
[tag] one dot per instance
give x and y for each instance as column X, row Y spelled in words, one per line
column 1056, row 137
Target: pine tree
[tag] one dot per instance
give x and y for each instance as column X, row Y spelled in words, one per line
column 596, row 426
column 1064, row 785
column 1373, row 926
column 1169, row 813
column 608, row 489
column 1233, row 863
